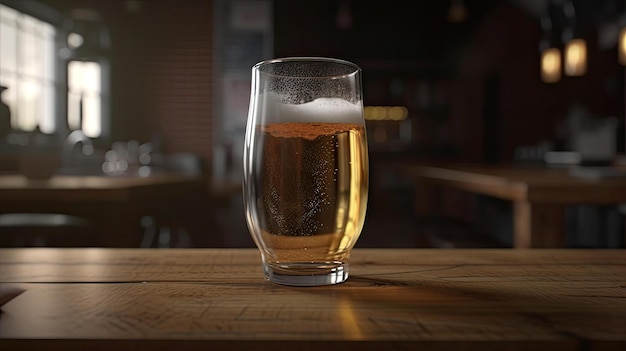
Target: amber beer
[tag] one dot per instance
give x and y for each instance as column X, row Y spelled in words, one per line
column 305, row 168
column 314, row 183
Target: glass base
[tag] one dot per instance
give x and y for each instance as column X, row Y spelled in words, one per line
column 306, row 273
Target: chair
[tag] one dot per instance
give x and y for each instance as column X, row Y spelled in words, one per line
column 172, row 230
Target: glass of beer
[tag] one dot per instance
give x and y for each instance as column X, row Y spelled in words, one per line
column 305, row 179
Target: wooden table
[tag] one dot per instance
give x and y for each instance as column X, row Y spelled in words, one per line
column 395, row 299
column 539, row 195
column 113, row 204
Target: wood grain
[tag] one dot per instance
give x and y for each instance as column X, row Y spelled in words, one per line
column 395, row 298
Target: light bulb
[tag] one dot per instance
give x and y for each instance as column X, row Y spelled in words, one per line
column 551, row 65
column 576, row 57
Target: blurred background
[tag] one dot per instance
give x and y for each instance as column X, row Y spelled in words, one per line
column 163, row 83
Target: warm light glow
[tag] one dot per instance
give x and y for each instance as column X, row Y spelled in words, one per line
column 385, row 113
column 621, row 50
column 457, row 12
column 576, row 57
column 551, row 65
column 349, row 320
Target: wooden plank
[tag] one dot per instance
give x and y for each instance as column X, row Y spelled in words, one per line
column 398, row 298
column 120, row 260
column 284, row 345
column 360, row 310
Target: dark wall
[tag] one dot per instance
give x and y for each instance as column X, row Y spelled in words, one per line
column 484, row 71
column 162, row 79
column 501, row 60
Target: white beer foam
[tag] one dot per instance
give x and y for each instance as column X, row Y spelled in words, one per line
column 330, row 110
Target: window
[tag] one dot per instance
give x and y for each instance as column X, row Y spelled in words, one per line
column 27, row 69
column 33, row 67
column 84, row 97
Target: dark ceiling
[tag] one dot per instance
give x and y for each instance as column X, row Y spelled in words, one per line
column 380, row 29
column 390, row 29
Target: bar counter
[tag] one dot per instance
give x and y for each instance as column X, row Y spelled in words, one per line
column 395, row 299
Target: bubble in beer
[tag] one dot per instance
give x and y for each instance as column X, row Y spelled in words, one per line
column 302, row 172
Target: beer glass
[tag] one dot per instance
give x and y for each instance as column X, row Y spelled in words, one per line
column 305, row 180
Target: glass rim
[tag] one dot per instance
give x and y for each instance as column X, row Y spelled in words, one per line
column 304, row 59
